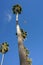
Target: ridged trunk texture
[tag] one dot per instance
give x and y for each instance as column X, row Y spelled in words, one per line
column 22, row 52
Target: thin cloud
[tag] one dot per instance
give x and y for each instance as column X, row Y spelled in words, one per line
column 8, row 17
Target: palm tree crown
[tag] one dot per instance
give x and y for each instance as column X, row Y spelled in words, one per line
column 17, row 9
column 4, row 47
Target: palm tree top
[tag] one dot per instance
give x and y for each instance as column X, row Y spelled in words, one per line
column 4, row 47
column 17, row 9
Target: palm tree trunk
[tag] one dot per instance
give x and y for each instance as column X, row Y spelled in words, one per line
column 2, row 59
column 16, row 18
column 22, row 52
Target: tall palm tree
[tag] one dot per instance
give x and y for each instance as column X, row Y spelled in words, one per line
column 4, row 47
column 23, row 52
column 16, row 10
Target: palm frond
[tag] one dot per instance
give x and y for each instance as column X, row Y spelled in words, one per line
column 17, row 9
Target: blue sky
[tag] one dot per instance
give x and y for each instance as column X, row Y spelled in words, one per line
column 30, row 20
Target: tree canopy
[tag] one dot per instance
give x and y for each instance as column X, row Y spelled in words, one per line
column 4, row 47
column 17, row 9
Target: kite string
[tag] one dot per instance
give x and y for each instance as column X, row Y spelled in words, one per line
column 2, row 59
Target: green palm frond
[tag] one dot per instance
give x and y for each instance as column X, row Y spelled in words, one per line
column 24, row 34
column 29, row 61
column 27, row 51
column 17, row 9
column 0, row 47
column 4, row 47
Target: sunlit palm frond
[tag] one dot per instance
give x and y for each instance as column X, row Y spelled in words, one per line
column 17, row 9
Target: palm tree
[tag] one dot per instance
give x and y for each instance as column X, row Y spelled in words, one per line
column 21, row 34
column 16, row 10
column 4, row 47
